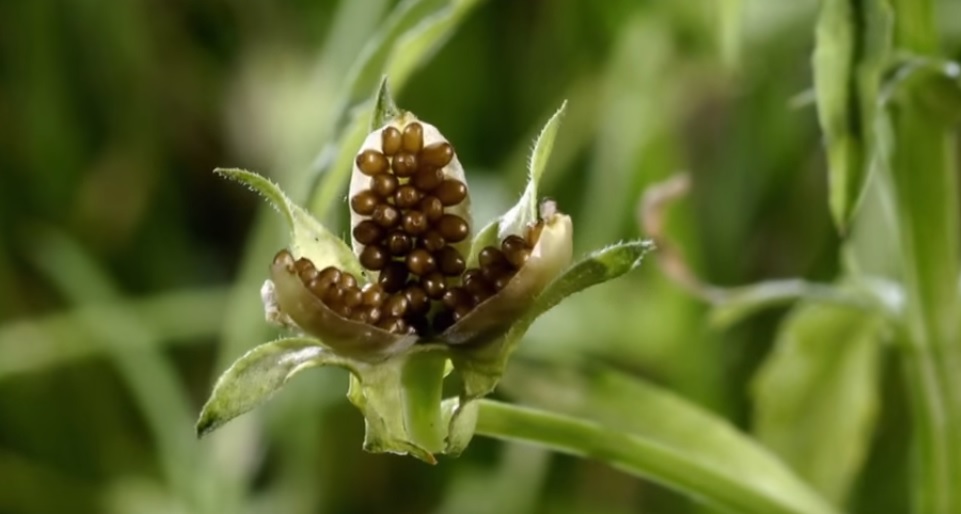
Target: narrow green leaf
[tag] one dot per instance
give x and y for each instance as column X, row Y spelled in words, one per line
column 734, row 304
column 525, row 211
column 481, row 366
column 817, row 395
column 385, row 108
column 461, row 419
column 733, row 484
column 308, row 238
column 257, row 375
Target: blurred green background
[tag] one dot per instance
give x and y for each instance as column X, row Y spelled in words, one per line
column 122, row 257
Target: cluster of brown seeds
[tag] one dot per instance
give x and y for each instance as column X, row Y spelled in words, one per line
column 408, row 237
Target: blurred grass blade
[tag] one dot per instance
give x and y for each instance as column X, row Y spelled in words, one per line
column 257, row 375
column 732, row 483
column 308, row 238
column 853, row 42
column 737, row 303
column 817, row 395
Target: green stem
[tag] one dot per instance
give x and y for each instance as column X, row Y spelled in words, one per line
column 423, row 380
column 631, row 453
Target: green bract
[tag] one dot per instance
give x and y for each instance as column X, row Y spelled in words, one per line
column 397, row 373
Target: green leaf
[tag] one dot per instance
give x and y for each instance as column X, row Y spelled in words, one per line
column 525, row 211
column 817, row 395
column 257, row 375
column 853, row 43
column 667, row 441
column 308, row 238
column 482, row 365
column 733, row 305
column 461, row 416
column 385, row 108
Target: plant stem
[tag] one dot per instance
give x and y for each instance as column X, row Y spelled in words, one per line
column 633, row 454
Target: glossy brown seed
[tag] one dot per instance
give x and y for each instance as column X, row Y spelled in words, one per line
column 433, row 241
column 413, row 138
column 368, row 232
column 501, row 281
column 397, row 243
column 385, row 215
column 303, row 264
column 372, row 162
column 414, row 222
column 330, row 275
column 318, row 288
column 534, row 233
column 432, row 207
column 390, row 140
column 393, row 325
column 491, row 257
column 373, row 257
column 373, row 295
column 405, row 164
column 418, row 302
column 460, row 311
column 477, row 286
column 515, row 250
column 353, row 296
column 492, row 273
column 452, row 227
column 396, row 306
column 364, row 202
column 420, row 324
column 360, row 315
column 433, row 284
column 333, row 296
column 284, row 258
column 437, row 154
column 346, row 281
column 374, row 314
column 343, row 310
column 427, row 179
column 481, row 297
column 443, row 320
column 456, row 296
column 384, row 185
column 393, row 277
column 308, row 274
column 406, row 196
column 450, row 261
column 421, row 262
column 451, row 192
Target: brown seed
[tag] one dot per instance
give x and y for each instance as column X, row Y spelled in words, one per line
column 372, row 162
column 308, row 274
column 460, row 311
column 457, row 296
column 393, row 277
column 421, row 262
column 329, row 275
column 482, row 297
column 413, row 137
column 492, row 257
column 390, row 140
column 384, row 185
column 433, row 241
column 343, row 310
column 374, row 314
column 397, row 243
column 346, row 281
column 515, row 250
column 364, row 202
column 303, row 264
column 502, row 280
column 414, row 222
column 368, row 232
column 360, row 315
column 373, row 257
column 317, row 287
column 393, row 325
column 353, row 297
column 406, row 197
column 432, row 207
column 437, row 154
column 450, row 261
column 452, row 227
column 405, row 164
column 396, row 306
column 420, row 324
column 385, row 215
column 417, row 300
column 475, row 284
column 333, row 296
column 443, row 320
column 433, row 284
column 427, row 179
column 373, row 295
column 534, row 233
column 284, row 258
column 451, row 192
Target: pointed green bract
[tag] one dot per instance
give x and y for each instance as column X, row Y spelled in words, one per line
column 308, row 238
column 257, row 375
column 384, row 107
column 817, row 395
column 481, row 367
column 525, row 212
